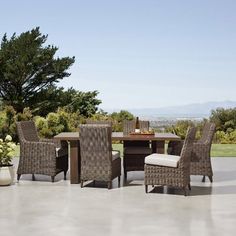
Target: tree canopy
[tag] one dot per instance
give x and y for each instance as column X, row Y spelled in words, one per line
column 28, row 68
column 84, row 103
column 225, row 119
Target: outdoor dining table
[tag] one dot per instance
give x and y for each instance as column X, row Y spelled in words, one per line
column 157, row 143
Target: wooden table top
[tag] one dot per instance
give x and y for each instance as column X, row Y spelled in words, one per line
column 67, row 136
column 119, row 136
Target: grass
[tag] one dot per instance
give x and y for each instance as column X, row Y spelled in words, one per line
column 223, row 150
column 217, row 150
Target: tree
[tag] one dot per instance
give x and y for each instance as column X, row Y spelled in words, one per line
column 85, row 103
column 28, row 68
column 122, row 115
column 225, row 119
column 180, row 128
column 119, row 117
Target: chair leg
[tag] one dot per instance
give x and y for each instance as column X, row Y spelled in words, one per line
column 146, row 188
column 65, row 174
column 118, row 181
column 33, row 177
column 125, row 174
column 185, row 192
column 210, row 178
column 18, row 177
column 189, row 186
column 109, row 184
column 81, row 183
column 52, row 178
column 203, row 178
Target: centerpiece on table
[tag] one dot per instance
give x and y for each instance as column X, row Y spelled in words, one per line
column 138, row 131
column 7, row 148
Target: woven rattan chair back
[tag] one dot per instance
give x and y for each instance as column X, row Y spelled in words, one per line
column 99, row 122
column 185, row 156
column 27, row 131
column 129, row 126
column 95, row 137
column 96, row 152
column 200, row 159
column 208, row 133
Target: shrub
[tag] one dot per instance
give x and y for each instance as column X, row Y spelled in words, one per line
column 225, row 137
column 180, row 128
column 8, row 118
column 57, row 122
column 7, row 148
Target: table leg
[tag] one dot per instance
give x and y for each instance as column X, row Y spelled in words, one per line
column 74, row 162
column 158, row 147
column 154, row 146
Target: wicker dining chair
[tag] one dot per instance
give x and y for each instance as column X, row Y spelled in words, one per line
column 39, row 156
column 170, row 170
column 200, row 158
column 201, row 155
column 98, row 161
column 134, row 151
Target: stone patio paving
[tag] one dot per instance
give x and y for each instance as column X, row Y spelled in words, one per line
column 43, row 208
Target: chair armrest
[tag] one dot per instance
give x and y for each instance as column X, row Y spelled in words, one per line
column 59, row 144
column 38, row 151
column 55, row 141
column 47, row 140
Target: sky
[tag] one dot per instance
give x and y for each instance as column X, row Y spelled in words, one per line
column 138, row 53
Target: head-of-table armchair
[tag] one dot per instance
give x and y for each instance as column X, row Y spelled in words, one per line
column 135, row 151
column 98, row 161
column 171, row 170
column 39, row 156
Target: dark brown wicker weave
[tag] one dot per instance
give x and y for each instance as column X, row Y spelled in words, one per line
column 99, row 122
column 200, row 159
column 39, row 156
column 135, row 151
column 171, row 176
column 96, row 154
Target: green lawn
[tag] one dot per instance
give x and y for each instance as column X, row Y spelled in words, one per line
column 218, row 150
column 223, row 150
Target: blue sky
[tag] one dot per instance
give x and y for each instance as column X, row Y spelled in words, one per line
column 138, row 53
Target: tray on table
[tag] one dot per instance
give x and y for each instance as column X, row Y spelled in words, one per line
column 151, row 133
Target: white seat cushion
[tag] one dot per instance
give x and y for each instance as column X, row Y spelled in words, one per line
column 162, row 160
column 115, row 155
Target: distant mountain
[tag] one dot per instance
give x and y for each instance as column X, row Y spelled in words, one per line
column 190, row 110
